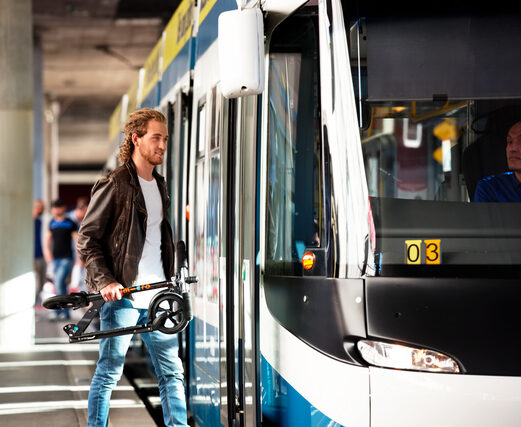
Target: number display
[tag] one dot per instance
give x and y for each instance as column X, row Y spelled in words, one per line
column 414, row 252
column 432, row 251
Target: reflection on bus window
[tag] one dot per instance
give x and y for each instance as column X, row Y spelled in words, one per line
column 212, row 233
column 412, row 151
column 207, row 196
column 294, row 193
column 199, row 226
column 201, row 139
column 200, row 195
column 212, row 208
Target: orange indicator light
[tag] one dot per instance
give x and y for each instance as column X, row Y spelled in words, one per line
column 187, row 212
column 308, row 260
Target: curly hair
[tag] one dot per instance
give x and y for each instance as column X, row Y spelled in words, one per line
column 137, row 124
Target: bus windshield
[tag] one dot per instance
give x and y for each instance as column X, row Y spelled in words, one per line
column 438, row 97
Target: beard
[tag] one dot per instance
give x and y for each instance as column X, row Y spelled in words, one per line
column 151, row 157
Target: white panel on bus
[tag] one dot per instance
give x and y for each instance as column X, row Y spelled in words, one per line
column 401, row 398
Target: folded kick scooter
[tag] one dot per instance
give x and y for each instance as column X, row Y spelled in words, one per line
column 169, row 311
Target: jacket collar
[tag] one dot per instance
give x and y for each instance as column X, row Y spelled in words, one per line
column 131, row 167
column 132, row 171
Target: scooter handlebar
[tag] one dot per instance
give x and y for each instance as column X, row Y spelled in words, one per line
column 182, row 261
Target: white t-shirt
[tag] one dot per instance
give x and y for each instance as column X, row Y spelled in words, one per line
column 150, row 268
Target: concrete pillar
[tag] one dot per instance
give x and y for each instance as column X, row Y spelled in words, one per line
column 16, row 174
column 39, row 156
column 55, row 149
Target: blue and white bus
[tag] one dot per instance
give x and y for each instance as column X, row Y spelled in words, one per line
column 346, row 277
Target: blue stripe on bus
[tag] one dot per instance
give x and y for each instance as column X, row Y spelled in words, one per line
column 152, row 99
column 204, row 390
column 179, row 66
column 206, row 352
column 204, row 398
column 282, row 405
column 207, row 32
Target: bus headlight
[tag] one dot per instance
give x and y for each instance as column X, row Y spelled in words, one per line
column 399, row 356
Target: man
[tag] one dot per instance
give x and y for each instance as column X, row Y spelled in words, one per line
column 78, row 269
column 124, row 240
column 58, row 237
column 504, row 187
column 40, row 266
column 78, row 213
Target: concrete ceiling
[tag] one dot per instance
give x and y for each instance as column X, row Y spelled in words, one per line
column 91, row 53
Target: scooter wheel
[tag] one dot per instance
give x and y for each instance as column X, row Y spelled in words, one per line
column 59, row 302
column 166, row 313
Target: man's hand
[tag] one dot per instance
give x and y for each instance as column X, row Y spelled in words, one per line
column 112, row 292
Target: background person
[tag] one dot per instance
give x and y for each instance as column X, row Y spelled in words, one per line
column 40, row 266
column 78, row 269
column 58, row 250
column 79, row 211
column 125, row 239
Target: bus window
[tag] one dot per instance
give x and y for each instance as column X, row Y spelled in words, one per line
column 294, row 193
column 200, row 197
column 207, row 196
column 409, row 155
column 433, row 116
column 212, row 207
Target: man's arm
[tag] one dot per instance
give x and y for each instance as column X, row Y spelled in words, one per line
column 90, row 245
column 74, row 236
column 112, row 292
column 47, row 247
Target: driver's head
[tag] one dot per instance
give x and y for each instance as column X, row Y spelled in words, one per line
column 513, row 148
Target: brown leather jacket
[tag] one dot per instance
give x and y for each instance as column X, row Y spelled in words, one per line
column 112, row 234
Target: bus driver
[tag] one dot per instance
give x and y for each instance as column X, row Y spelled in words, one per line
column 504, row 187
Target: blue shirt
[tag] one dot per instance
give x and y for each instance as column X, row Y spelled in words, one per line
column 38, row 238
column 62, row 237
column 499, row 188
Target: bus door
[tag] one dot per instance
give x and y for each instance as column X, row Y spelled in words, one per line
column 205, row 243
column 177, row 113
column 238, row 296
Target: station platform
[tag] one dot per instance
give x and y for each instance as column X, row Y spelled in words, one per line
column 48, row 384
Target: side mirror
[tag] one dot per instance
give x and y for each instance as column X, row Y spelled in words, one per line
column 241, row 52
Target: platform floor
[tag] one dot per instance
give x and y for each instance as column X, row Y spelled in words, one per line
column 48, row 384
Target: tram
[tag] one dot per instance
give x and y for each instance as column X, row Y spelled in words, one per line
column 325, row 191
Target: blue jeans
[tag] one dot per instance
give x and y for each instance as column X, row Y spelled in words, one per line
column 62, row 268
column 163, row 353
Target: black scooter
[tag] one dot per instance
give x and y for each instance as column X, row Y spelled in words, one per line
column 169, row 311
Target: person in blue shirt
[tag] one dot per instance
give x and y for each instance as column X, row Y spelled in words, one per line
column 58, row 250
column 504, row 187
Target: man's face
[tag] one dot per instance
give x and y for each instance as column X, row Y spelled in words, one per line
column 152, row 145
column 80, row 212
column 514, row 147
column 58, row 211
column 37, row 208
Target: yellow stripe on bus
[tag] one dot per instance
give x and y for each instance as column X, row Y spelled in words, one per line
column 115, row 123
column 151, row 67
column 178, row 31
column 206, row 6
